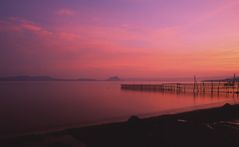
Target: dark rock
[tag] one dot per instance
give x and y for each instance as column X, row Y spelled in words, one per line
column 227, row 106
column 134, row 120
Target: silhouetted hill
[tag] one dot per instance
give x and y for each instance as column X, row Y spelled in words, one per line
column 28, row 78
column 40, row 78
column 114, row 78
column 86, row 79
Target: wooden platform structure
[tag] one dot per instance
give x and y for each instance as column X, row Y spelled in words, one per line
column 184, row 87
column 194, row 87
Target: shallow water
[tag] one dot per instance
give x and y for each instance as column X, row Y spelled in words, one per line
column 39, row 106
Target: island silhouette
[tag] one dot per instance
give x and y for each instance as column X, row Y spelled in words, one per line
column 49, row 78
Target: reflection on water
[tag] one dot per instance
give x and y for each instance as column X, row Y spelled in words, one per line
column 38, row 106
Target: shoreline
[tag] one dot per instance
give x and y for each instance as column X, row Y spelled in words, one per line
column 120, row 119
column 138, row 131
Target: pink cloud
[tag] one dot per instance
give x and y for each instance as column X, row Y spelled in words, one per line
column 65, row 12
column 20, row 24
column 98, row 49
column 69, row 36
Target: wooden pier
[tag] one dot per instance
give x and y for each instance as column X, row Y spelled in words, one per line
column 202, row 87
column 230, row 86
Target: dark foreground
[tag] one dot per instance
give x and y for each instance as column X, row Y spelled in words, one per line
column 215, row 127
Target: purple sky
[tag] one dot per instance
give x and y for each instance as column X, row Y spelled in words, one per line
column 129, row 38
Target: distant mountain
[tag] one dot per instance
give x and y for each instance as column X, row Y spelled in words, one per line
column 28, row 78
column 114, row 78
column 86, row 79
column 48, row 78
column 40, row 78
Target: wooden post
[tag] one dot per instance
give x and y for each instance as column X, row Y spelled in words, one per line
column 237, row 87
column 195, row 86
column 228, row 88
column 233, row 83
column 211, row 86
column 218, row 88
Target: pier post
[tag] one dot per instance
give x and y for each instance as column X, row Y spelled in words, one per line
column 218, row 87
column 233, row 83
column 237, row 87
column 211, row 86
column 229, row 89
column 195, row 85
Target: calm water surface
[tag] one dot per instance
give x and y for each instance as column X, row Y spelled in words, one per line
column 39, row 106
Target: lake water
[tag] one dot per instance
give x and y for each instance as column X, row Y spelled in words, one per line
column 41, row 106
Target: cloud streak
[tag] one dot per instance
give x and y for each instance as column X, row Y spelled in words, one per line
column 65, row 12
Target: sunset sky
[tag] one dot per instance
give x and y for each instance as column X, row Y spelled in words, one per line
column 128, row 38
